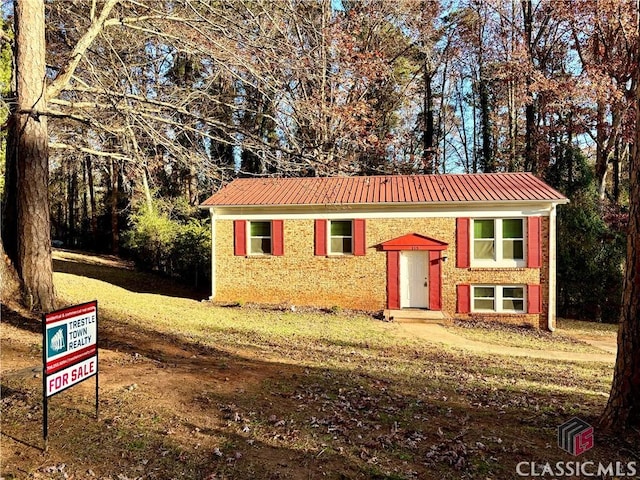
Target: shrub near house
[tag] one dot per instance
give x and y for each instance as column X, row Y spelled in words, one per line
column 469, row 246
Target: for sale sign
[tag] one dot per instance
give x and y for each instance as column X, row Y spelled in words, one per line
column 70, row 351
column 70, row 337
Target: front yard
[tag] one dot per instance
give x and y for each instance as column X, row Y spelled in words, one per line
column 191, row 390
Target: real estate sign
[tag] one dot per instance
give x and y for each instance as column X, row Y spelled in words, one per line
column 70, row 352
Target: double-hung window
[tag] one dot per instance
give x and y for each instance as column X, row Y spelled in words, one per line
column 484, row 239
column 512, row 298
column 498, row 241
column 259, row 241
column 340, row 237
column 512, row 239
column 258, row 238
column 498, row 298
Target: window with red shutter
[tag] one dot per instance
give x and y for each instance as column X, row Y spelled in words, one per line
column 340, row 237
column 258, row 237
column 498, row 298
column 493, row 242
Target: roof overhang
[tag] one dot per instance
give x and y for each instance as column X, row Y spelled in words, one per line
column 385, row 210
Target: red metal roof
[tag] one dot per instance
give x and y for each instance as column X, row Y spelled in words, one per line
column 388, row 189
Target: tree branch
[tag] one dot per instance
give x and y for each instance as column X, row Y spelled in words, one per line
column 91, row 151
column 54, row 89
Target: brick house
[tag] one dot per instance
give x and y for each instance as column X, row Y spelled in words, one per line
column 478, row 246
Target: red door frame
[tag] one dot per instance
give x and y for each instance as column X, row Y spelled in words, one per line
column 414, row 242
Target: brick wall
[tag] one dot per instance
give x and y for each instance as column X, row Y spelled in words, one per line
column 300, row 278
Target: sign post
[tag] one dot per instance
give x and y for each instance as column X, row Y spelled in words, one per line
column 70, row 352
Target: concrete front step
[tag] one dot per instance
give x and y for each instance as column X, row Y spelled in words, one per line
column 415, row 315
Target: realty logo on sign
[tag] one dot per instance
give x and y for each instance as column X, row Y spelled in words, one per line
column 575, row 436
column 57, row 339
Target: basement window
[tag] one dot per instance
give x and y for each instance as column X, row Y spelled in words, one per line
column 498, row 298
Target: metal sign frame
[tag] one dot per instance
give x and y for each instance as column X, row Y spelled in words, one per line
column 73, row 365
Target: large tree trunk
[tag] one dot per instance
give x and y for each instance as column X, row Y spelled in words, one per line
column 428, row 129
column 72, row 197
column 92, row 203
column 115, row 230
column 192, row 185
column 9, row 281
column 512, row 127
column 488, row 161
column 530, row 160
column 602, row 161
column 29, row 129
column 10, row 197
column 623, row 407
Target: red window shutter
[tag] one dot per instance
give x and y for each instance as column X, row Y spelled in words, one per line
column 534, row 247
column 359, row 237
column 435, row 276
column 277, row 237
column 464, row 298
column 462, row 243
column 534, row 299
column 321, row 237
column 393, row 279
column 239, row 237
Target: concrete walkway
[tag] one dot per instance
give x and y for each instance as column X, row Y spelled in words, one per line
column 436, row 333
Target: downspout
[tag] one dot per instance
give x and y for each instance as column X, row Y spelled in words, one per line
column 551, row 309
column 212, row 214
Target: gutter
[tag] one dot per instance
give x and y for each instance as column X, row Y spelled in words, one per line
column 368, row 205
column 551, row 308
column 212, row 214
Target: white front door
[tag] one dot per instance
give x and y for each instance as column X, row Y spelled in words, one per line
column 414, row 273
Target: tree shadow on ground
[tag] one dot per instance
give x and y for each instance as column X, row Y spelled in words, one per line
column 24, row 321
column 200, row 411
column 131, row 280
column 129, row 436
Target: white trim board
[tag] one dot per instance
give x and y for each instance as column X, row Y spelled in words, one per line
column 262, row 213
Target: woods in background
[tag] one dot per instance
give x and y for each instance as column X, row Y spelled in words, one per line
column 156, row 104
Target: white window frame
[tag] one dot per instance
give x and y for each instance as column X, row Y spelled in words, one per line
column 498, row 260
column 498, row 297
column 329, row 237
column 249, row 237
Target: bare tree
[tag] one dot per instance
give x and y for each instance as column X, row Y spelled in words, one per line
column 26, row 229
